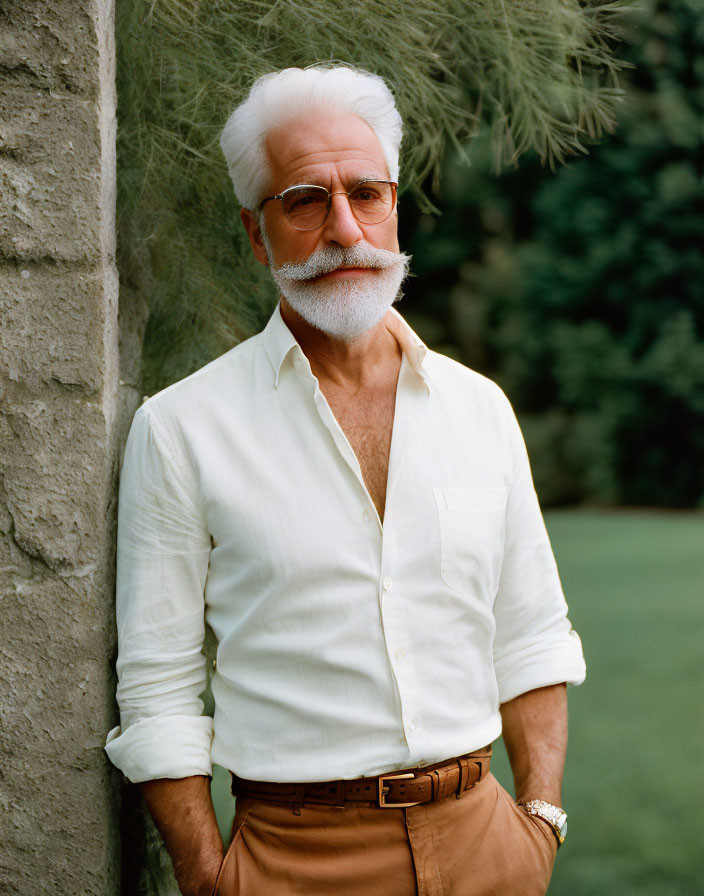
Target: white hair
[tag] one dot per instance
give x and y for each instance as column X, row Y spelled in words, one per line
column 292, row 93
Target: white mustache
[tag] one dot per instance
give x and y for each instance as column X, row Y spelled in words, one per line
column 324, row 261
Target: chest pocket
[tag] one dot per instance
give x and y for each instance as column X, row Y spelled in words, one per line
column 471, row 537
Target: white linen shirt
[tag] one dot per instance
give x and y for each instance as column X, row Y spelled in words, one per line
column 345, row 648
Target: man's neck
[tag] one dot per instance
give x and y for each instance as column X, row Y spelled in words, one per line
column 350, row 365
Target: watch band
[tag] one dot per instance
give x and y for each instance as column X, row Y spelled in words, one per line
column 555, row 816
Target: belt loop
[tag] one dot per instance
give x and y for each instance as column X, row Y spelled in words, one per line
column 299, row 798
column 434, row 785
column 464, row 775
column 477, row 767
column 340, row 795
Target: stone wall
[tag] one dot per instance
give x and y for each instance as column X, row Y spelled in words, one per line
column 63, row 417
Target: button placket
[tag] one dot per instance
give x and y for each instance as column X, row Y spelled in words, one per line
column 397, row 640
column 411, row 404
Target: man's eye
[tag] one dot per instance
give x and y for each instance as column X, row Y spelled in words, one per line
column 365, row 194
column 306, row 199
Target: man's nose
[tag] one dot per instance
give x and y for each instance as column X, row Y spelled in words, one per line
column 341, row 226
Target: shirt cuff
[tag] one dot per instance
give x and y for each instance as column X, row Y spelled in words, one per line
column 162, row 747
column 538, row 665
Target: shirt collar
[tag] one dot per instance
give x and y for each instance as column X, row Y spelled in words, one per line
column 279, row 342
column 411, row 344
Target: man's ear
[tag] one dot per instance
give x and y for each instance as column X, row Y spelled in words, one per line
column 254, row 232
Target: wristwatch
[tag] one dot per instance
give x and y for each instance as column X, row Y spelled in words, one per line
column 555, row 816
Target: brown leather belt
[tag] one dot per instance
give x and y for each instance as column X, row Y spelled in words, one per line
column 396, row 790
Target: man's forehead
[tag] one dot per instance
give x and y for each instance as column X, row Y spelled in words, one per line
column 325, row 150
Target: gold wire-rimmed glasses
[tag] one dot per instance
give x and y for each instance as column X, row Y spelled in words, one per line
column 306, row 206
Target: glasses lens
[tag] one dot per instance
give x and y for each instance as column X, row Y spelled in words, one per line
column 372, row 202
column 306, row 207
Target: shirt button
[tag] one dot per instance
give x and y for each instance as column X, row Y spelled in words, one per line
column 412, row 726
column 365, row 515
column 299, row 364
column 387, row 583
column 400, row 653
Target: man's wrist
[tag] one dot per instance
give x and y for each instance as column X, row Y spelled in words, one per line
column 196, row 875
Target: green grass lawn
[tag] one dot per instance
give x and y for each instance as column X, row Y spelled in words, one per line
column 634, row 786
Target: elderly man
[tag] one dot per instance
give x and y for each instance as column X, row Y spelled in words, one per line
column 354, row 516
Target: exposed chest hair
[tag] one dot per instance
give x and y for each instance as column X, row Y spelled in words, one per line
column 367, row 420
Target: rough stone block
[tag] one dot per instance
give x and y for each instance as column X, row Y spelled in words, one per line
column 52, row 322
column 55, row 709
column 59, row 486
column 50, row 176
column 50, row 45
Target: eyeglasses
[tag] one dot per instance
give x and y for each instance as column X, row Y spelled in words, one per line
column 306, row 206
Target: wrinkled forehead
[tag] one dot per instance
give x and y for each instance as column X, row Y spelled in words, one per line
column 324, row 149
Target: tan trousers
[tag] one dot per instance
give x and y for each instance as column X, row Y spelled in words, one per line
column 481, row 844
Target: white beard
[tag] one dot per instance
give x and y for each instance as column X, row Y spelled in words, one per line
column 343, row 308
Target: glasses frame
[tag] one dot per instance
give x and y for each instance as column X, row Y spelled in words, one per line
column 394, row 200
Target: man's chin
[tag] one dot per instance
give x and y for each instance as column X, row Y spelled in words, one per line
column 338, row 325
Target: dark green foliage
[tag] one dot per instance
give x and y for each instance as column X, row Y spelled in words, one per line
column 535, row 75
column 582, row 292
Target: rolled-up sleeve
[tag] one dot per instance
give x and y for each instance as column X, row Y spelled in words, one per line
column 163, row 550
column 535, row 644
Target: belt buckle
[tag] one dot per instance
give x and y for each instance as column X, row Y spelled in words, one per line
column 384, row 790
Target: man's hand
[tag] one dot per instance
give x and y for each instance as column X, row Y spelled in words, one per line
column 535, row 734
column 183, row 812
